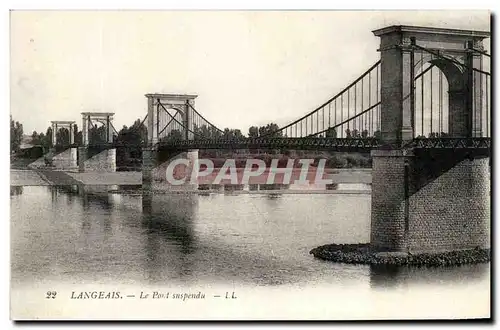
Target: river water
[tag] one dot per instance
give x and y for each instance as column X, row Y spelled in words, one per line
column 76, row 235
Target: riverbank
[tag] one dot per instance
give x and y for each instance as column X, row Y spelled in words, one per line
column 363, row 254
column 27, row 178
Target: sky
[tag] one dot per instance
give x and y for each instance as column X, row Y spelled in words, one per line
column 247, row 67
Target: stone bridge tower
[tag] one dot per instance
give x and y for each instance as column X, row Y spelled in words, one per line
column 97, row 156
column 429, row 200
column 154, row 160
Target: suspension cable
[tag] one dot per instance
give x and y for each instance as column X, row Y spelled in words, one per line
column 481, row 71
column 340, row 94
column 439, row 55
column 422, row 90
column 168, row 123
column 218, row 129
column 114, row 129
column 482, row 52
column 440, row 122
column 182, row 125
column 349, row 119
column 431, row 101
column 424, row 72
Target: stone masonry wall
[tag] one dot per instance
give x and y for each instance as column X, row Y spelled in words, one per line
column 451, row 211
column 66, row 160
column 387, row 215
column 155, row 166
column 104, row 161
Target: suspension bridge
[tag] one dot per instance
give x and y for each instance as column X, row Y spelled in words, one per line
column 445, row 104
column 422, row 110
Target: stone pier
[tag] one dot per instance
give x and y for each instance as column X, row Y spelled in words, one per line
column 161, row 170
column 429, row 203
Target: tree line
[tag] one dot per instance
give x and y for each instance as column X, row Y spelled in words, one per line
column 16, row 135
column 136, row 134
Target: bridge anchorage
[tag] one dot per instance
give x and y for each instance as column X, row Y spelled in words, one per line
column 422, row 111
column 97, row 152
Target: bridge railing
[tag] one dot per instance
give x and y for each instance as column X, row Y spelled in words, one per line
column 308, row 143
column 450, row 143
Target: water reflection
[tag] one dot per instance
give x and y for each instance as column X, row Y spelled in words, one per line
column 389, row 276
column 69, row 192
column 92, row 233
column 170, row 216
column 281, row 187
column 170, row 238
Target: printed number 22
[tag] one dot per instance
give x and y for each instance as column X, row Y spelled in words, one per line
column 51, row 294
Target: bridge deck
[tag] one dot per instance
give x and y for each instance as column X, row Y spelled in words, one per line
column 333, row 144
